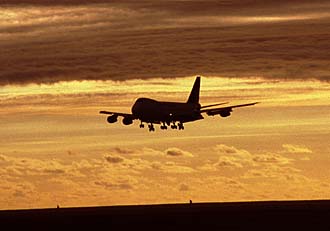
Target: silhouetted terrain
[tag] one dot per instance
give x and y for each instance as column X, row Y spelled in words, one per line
column 284, row 215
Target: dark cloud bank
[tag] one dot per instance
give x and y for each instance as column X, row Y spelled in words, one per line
column 144, row 39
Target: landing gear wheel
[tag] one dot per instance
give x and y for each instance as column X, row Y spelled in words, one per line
column 163, row 127
column 181, row 127
column 174, row 126
column 151, row 128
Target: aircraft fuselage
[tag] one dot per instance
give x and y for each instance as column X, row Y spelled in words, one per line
column 152, row 111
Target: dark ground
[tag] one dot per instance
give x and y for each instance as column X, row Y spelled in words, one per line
column 278, row 215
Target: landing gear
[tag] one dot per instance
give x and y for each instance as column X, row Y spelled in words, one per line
column 180, row 126
column 173, row 126
column 163, row 127
column 151, row 128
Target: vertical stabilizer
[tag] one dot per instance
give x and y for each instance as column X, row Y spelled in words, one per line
column 194, row 94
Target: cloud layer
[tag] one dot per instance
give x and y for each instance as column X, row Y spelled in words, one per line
column 142, row 175
column 46, row 43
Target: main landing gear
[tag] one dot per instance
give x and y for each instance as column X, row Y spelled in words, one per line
column 163, row 127
column 173, row 126
column 180, row 126
column 151, row 127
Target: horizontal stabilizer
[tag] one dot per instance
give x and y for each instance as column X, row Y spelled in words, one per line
column 213, row 105
column 216, row 111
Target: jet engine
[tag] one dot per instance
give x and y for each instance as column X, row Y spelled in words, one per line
column 127, row 121
column 224, row 113
column 112, row 119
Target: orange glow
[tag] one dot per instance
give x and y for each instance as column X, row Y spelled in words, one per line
column 64, row 154
column 60, row 64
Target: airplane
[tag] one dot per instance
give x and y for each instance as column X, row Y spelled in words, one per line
column 173, row 114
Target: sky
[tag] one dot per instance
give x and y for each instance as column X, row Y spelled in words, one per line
column 61, row 63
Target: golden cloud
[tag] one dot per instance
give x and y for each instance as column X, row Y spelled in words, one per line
column 91, row 179
column 290, row 148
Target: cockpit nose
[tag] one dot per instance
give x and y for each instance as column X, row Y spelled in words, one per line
column 136, row 107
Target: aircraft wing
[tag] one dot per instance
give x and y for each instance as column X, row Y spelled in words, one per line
column 117, row 113
column 224, row 111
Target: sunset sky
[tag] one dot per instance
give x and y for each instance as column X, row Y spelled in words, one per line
column 60, row 64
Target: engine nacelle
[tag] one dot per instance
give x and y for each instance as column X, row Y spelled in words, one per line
column 127, row 121
column 225, row 113
column 112, row 119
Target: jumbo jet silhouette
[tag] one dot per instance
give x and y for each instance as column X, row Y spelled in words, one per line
column 172, row 114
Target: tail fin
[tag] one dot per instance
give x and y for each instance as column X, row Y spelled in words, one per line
column 194, row 94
